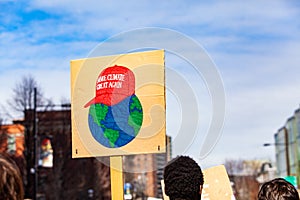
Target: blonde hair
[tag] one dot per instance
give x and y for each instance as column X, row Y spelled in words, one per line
column 11, row 185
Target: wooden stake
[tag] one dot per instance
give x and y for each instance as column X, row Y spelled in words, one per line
column 116, row 178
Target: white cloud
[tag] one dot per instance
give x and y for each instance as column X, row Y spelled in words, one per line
column 216, row 18
column 255, row 47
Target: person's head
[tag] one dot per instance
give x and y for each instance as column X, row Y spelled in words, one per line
column 278, row 189
column 11, row 185
column 183, row 179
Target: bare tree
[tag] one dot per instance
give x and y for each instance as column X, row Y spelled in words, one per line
column 23, row 94
column 22, row 101
column 234, row 166
column 4, row 115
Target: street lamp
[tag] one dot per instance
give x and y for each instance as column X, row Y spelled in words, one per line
column 34, row 170
column 273, row 144
column 286, row 144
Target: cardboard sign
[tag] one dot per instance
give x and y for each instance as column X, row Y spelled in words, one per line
column 216, row 185
column 118, row 104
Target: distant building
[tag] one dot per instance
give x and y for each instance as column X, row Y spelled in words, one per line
column 12, row 144
column 287, row 147
column 12, row 139
column 145, row 171
column 281, row 153
column 244, row 186
column 68, row 178
column 247, row 175
column 291, row 129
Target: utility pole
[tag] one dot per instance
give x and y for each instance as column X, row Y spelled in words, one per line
column 288, row 170
column 35, row 149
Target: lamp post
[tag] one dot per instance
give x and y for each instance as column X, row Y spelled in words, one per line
column 35, row 149
column 286, row 144
column 35, row 169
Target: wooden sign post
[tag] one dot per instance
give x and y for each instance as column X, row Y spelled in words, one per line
column 116, row 177
column 118, row 108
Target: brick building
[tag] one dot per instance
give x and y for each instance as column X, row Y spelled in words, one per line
column 12, row 139
column 85, row 178
column 12, row 144
column 145, row 171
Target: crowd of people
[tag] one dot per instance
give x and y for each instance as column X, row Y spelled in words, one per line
column 183, row 179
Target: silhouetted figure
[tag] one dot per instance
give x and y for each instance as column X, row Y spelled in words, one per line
column 183, row 179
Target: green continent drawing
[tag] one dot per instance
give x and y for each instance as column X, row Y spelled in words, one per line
column 117, row 125
column 98, row 112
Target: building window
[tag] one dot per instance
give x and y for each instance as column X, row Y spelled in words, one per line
column 11, row 144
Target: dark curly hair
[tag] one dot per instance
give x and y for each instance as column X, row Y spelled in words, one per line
column 183, row 177
column 11, row 185
column 278, row 189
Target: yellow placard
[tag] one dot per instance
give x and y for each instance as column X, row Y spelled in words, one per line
column 216, row 184
column 118, row 104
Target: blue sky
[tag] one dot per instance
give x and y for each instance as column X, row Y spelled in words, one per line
column 255, row 47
